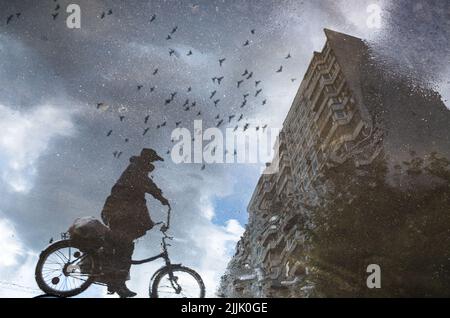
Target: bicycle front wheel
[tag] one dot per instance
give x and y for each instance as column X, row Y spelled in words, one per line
column 177, row 281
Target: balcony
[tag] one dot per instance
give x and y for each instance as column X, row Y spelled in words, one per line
column 328, row 91
column 334, row 103
column 349, row 128
column 268, row 234
column 332, row 70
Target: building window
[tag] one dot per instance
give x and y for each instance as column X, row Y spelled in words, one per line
column 329, row 88
column 340, row 114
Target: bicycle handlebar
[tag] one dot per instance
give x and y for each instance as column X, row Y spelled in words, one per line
column 165, row 226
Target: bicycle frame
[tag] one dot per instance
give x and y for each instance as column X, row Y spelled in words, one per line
column 164, row 245
column 164, row 254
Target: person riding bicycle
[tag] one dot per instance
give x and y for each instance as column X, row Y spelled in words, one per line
column 125, row 212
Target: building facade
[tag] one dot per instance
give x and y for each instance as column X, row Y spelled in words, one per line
column 340, row 113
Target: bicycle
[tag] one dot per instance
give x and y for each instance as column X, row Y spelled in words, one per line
column 64, row 270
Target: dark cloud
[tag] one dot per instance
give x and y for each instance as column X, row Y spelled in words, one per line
column 417, row 37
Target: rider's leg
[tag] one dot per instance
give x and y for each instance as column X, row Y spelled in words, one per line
column 121, row 262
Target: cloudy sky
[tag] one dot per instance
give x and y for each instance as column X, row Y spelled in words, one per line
column 57, row 162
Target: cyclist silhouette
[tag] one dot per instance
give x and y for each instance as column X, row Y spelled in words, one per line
column 125, row 212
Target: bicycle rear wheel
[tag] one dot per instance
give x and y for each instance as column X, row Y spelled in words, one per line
column 63, row 270
column 177, row 281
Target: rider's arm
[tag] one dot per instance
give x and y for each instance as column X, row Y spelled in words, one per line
column 152, row 188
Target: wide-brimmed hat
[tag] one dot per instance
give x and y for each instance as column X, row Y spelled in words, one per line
column 150, row 155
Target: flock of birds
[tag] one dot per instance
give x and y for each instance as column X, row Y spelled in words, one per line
column 236, row 119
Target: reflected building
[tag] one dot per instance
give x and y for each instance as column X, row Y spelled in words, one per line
column 349, row 108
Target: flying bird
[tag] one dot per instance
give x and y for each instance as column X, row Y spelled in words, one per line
column 293, row 80
column 174, row 30
column 288, row 56
column 246, row 43
column 245, row 73
column 109, row 133
column 246, row 95
column 121, row 118
column 102, row 106
column 258, row 91
column 212, row 94
column 216, row 102
column 168, row 37
column 219, row 79
column 252, row 31
column 221, row 61
column 264, row 101
column 239, row 83
column 195, row 7
column 145, row 131
column 257, row 83
column 155, row 71
column 110, row 12
column 280, row 69
column 189, row 53
column 103, row 15
column 153, row 18
column 54, row 15
column 189, row 89
column 171, row 52
column 231, row 117
column 250, row 75
column 146, row 119
column 18, row 14
column 139, row 87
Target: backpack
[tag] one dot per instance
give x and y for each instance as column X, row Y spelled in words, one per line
column 88, row 233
